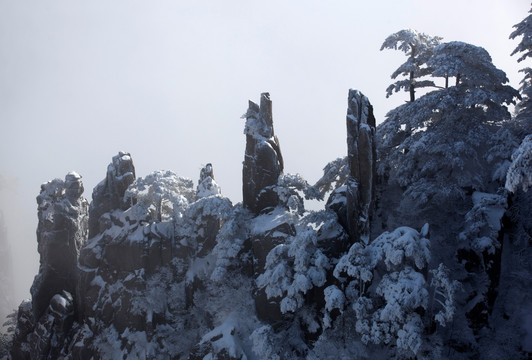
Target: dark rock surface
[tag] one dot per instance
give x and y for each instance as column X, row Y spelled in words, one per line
column 263, row 162
column 361, row 152
column 49, row 335
column 61, row 232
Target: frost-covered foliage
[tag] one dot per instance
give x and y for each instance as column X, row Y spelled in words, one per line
column 483, row 223
column 295, row 267
column 524, row 29
column 7, row 331
column 291, row 189
column 386, row 290
column 444, row 294
column 230, row 246
column 335, row 175
column 162, row 194
column 524, row 50
column 520, row 171
column 263, row 344
column 418, row 47
column 469, row 64
column 295, row 276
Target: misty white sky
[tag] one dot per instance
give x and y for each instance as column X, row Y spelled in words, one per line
column 169, row 80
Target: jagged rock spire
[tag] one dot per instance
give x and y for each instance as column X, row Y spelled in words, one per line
column 61, row 232
column 361, row 156
column 206, row 184
column 263, row 162
column 108, row 195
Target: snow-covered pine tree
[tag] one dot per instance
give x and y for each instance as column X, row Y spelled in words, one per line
column 437, row 148
column 524, row 29
column 418, row 47
column 524, row 50
column 436, row 153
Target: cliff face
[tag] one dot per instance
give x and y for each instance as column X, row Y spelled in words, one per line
column 61, row 233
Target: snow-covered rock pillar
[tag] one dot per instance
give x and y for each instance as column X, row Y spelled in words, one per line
column 206, row 184
column 61, row 232
column 108, row 195
column 263, row 162
column 361, row 154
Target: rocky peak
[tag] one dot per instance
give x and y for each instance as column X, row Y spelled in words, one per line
column 263, row 162
column 61, row 232
column 108, row 195
column 206, row 184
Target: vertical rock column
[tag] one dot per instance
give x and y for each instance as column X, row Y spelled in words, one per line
column 361, row 156
column 263, row 162
column 61, row 232
column 107, row 197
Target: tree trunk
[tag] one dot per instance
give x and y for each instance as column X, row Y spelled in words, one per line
column 412, row 88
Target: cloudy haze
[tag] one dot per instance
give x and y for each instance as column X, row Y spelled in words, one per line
column 168, row 81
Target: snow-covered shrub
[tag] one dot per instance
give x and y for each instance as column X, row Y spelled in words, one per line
column 263, row 345
column 402, row 246
column 400, row 294
column 293, row 269
column 291, row 189
column 6, row 335
column 229, row 249
column 483, row 223
column 335, row 175
column 202, row 220
column 444, row 294
column 386, row 289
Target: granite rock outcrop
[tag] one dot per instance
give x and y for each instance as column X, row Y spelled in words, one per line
column 61, row 232
column 362, row 157
column 263, row 162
